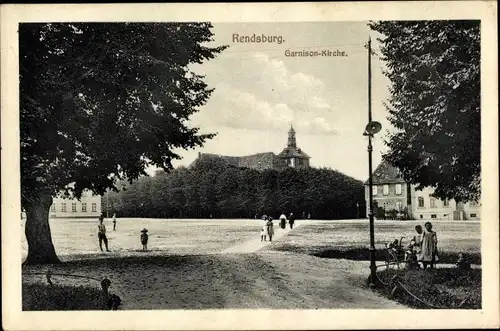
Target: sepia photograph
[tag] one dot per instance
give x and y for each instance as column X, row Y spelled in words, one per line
column 281, row 165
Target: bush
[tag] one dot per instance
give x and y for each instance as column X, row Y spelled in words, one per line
column 57, row 297
column 363, row 254
column 445, row 288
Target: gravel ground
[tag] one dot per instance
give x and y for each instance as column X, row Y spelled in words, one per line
column 217, row 264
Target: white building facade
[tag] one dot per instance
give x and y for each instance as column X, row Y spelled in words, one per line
column 88, row 206
column 424, row 206
column 391, row 192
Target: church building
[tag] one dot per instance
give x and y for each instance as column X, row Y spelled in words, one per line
column 291, row 157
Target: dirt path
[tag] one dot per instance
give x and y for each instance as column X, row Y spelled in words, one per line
column 253, row 245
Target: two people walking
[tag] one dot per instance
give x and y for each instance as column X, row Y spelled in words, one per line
column 291, row 220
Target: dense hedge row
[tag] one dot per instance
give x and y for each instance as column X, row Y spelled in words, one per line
column 212, row 188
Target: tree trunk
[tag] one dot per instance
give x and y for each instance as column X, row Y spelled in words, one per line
column 40, row 247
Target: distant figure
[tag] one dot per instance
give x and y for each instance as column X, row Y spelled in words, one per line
column 428, row 255
column 282, row 221
column 309, row 216
column 144, row 239
column 270, row 228
column 291, row 220
column 102, row 234
column 303, row 214
column 463, row 263
column 263, row 229
column 114, row 221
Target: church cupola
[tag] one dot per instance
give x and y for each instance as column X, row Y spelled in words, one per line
column 292, row 156
column 292, row 142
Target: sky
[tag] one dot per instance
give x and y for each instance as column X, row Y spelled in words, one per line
column 260, row 91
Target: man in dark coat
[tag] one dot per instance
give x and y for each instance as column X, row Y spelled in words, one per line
column 291, row 220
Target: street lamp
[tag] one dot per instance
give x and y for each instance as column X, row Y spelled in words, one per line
column 371, row 129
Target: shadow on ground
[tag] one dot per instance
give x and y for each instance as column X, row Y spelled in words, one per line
column 181, row 282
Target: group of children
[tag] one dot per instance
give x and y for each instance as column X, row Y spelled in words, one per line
column 267, row 228
column 421, row 249
column 103, row 238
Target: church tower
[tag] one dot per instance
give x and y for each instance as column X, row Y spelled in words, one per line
column 292, row 142
column 292, row 155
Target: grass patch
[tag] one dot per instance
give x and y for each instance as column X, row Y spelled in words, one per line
column 363, row 253
column 446, row 288
column 57, row 297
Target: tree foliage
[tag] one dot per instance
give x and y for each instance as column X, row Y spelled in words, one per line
column 99, row 102
column 434, row 70
column 102, row 101
column 214, row 188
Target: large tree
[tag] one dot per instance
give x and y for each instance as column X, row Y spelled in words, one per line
column 101, row 102
column 433, row 67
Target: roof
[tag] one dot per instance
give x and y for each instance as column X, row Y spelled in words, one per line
column 386, row 174
column 293, row 152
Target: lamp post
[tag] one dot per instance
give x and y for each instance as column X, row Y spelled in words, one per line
column 371, row 129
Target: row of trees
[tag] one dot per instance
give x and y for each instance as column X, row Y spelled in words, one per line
column 213, row 188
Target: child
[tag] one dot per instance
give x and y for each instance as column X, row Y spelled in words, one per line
column 263, row 229
column 428, row 254
column 144, row 239
column 270, row 228
column 463, row 263
column 413, row 250
column 114, row 221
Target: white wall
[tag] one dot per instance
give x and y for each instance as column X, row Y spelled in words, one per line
column 440, row 211
column 88, row 206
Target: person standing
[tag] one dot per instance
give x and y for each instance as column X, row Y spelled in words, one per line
column 291, row 220
column 144, row 239
column 428, row 253
column 114, row 221
column 263, row 229
column 282, row 221
column 270, row 228
column 102, row 234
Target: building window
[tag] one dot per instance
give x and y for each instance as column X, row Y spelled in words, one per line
column 374, row 191
column 84, row 207
column 433, row 216
column 473, row 215
column 53, row 208
column 386, row 189
column 446, row 202
column 292, row 163
column 420, row 201
column 63, row 207
column 94, row 207
column 398, row 189
column 73, row 207
column 433, row 202
column 399, row 206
